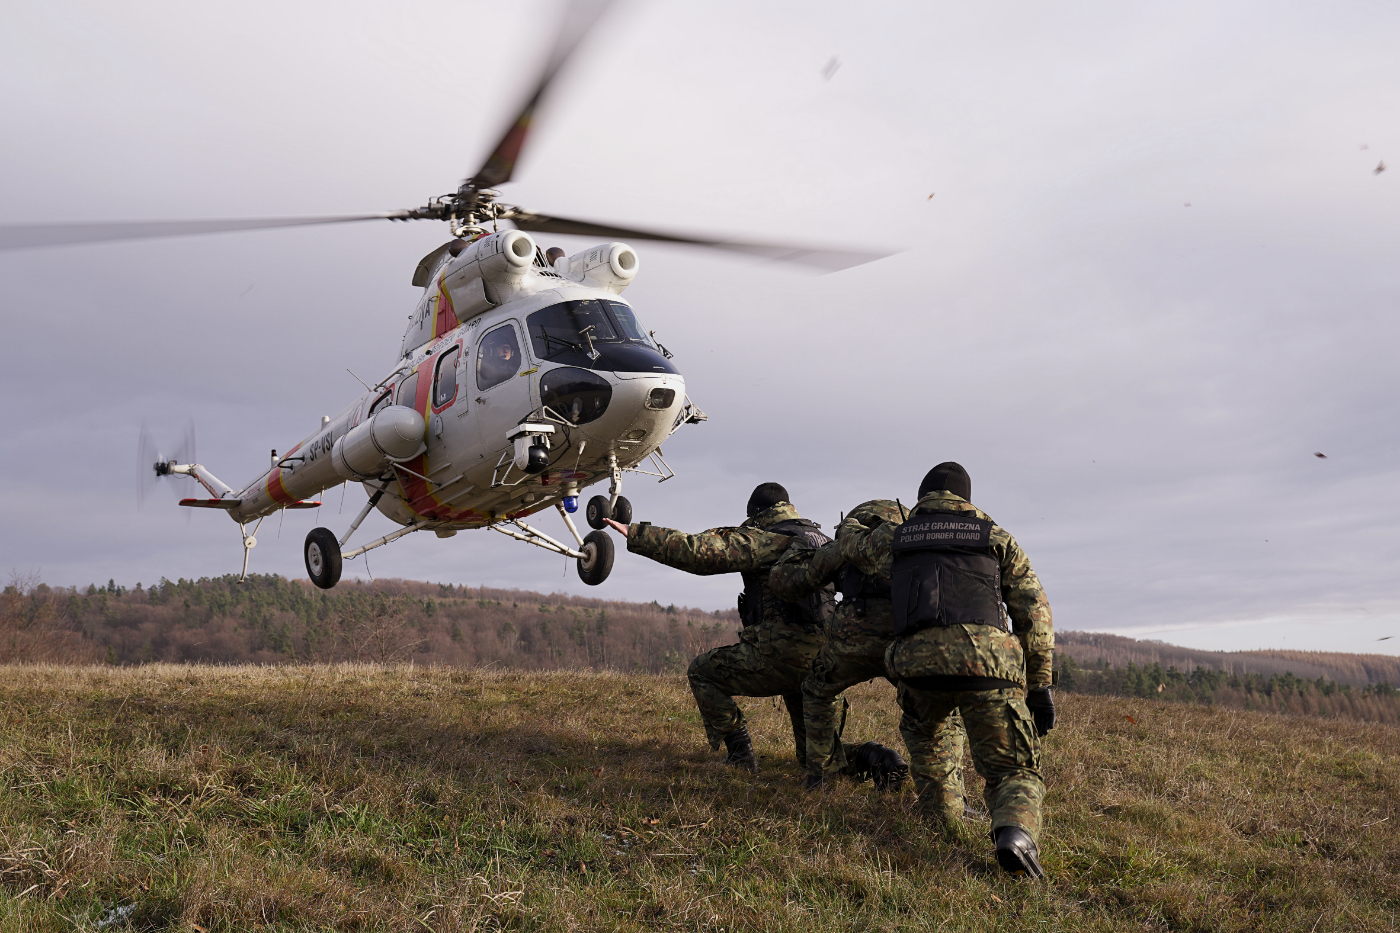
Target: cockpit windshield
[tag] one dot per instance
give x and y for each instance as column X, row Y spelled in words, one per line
column 595, row 334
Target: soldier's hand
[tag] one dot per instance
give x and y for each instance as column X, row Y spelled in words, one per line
column 1041, row 703
column 617, row 526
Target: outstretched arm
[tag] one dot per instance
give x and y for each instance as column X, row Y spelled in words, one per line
column 719, row 550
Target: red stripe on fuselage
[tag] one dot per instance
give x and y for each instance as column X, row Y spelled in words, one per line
column 446, row 314
column 275, row 490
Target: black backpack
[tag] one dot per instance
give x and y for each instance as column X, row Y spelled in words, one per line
column 812, row 611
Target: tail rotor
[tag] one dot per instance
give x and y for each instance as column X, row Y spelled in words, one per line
column 154, row 458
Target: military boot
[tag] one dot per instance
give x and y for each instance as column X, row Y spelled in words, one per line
column 883, row 765
column 740, row 748
column 1016, row 852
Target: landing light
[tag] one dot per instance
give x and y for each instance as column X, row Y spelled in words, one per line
column 661, row 399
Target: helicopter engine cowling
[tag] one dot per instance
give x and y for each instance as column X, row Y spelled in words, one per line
column 612, row 266
column 488, row 272
column 484, row 274
column 394, row 434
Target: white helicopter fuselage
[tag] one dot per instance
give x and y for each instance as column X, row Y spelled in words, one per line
column 499, row 339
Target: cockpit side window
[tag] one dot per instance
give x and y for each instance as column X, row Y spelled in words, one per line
column 627, row 321
column 497, row 357
column 379, row 403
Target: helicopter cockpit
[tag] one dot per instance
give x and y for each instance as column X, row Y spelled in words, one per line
column 595, row 334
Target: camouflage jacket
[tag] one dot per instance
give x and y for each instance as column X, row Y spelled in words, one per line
column 748, row 549
column 970, row 650
column 804, row 570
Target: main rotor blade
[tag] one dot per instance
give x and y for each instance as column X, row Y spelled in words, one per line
column 829, row 260
column 35, row 236
column 579, row 18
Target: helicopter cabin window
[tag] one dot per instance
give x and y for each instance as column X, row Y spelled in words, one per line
column 379, row 403
column 497, row 358
column 446, row 389
column 594, row 334
column 408, row 391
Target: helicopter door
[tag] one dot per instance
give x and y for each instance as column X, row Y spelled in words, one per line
column 502, row 395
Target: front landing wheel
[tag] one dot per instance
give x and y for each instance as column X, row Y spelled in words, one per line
column 597, row 560
column 322, row 553
column 622, row 512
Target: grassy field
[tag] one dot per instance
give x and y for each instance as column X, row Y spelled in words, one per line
column 372, row 798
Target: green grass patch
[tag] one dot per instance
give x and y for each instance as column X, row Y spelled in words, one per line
column 399, row 798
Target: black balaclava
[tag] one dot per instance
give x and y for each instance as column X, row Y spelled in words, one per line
column 950, row 476
column 764, row 496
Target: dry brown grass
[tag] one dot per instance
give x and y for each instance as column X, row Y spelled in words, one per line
column 370, row 798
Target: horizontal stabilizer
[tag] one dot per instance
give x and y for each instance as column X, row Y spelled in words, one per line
column 211, row 503
column 227, row 504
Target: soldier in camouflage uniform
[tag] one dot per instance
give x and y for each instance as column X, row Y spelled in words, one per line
column 779, row 639
column 857, row 635
column 951, row 568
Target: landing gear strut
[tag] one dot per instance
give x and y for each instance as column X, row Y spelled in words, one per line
column 614, row 505
column 594, row 553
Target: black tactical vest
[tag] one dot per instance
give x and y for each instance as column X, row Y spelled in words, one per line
column 810, row 612
column 945, row 573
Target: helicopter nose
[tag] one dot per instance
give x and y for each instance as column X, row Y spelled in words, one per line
column 642, row 411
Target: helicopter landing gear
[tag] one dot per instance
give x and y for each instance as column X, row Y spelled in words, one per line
column 614, row 505
column 598, row 510
column 594, row 553
column 597, row 560
column 322, row 553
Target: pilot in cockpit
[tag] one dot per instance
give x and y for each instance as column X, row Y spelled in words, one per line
column 499, row 357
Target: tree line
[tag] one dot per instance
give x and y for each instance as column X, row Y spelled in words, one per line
column 1275, row 693
column 269, row 619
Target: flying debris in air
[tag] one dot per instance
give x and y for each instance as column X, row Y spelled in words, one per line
column 930, row 197
column 1385, row 638
column 1320, row 455
column 1365, row 145
column 831, row 68
column 1379, row 168
column 1188, row 204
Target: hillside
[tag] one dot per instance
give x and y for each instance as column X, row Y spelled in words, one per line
column 397, row 798
column 1090, row 649
column 270, row 619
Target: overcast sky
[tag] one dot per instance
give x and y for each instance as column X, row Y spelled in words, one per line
column 1147, row 271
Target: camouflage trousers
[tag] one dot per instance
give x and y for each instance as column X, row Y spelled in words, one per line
column 844, row 661
column 720, row 674
column 1005, row 752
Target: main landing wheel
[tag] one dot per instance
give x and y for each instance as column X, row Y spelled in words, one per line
column 322, row 553
column 597, row 560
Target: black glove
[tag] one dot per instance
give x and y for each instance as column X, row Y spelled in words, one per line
column 1042, row 706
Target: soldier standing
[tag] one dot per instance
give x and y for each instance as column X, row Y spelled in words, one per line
column 951, row 568
column 779, row 639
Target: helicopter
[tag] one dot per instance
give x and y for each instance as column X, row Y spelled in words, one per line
column 523, row 376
